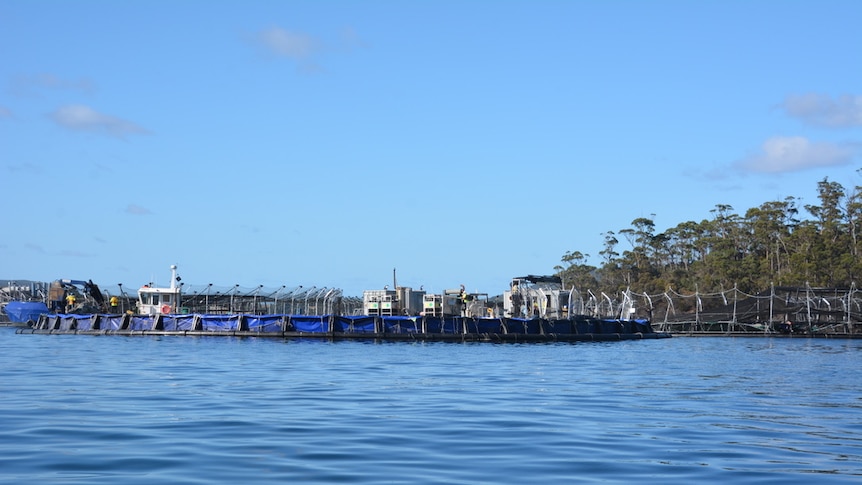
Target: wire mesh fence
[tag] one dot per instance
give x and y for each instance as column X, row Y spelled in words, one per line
column 205, row 299
column 780, row 309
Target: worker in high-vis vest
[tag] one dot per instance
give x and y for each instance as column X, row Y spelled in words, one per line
column 114, row 303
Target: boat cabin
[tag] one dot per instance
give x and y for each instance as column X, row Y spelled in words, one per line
column 153, row 300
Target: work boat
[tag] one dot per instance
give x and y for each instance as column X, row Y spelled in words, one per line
column 155, row 301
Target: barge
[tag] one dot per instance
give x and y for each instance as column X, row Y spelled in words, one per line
column 533, row 309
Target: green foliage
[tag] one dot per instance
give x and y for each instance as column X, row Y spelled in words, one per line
column 768, row 245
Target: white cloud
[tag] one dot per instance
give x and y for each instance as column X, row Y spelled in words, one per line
column 305, row 49
column 793, row 153
column 83, row 118
column 294, row 45
column 822, row 110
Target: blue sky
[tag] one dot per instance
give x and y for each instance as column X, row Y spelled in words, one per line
column 326, row 143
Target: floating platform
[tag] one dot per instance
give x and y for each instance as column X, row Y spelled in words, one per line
column 458, row 329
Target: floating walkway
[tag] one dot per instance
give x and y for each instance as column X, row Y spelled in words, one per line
column 457, row 329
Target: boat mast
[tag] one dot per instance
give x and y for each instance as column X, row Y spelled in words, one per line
column 173, row 277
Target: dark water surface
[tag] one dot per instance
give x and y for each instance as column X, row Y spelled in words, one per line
column 85, row 409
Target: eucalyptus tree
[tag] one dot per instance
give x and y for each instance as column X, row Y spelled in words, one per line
column 769, row 244
column 682, row 248
column 829, row 214
column 609, row 273
column 726, row 238
column 854, row 222
column 577, row 273
column 770, row 226
column 803, row 259
column 639, row 237
column 833, row 247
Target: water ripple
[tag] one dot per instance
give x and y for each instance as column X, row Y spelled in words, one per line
column 81, row 409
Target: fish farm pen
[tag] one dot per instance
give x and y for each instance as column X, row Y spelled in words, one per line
column 780, row 310
column 453, row 329
column 207, row 299
column 260, row 300
column 534, row 309
column 787, row 310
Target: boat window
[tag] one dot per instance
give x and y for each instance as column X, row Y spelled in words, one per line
column 167, row 299
column 145, row 298
column 155, row 299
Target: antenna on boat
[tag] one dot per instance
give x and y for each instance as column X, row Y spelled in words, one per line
column 173, row 276
column 394, row 280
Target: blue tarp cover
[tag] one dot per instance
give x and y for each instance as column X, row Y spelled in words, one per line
column 140, row 322
column 609, row 326
column 401, row 324
column 485, row 325
column 641, row 325
column 347, row 324
column 111, row 322
column 523, row 326
column 219, row 323
column 75, row 322
column 559, row 327
column 315, row 324
column 444, row 325
column 354, row 324
column 584, row 326
column 265, row 323
column 175, row 323
column 23, row 311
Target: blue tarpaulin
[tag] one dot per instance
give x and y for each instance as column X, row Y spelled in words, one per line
column 354, row 324
column 609, row 326
column 401, row 324
column 484, row 325
column 523, row 326
column 24, row 311
column 313, row 324
column 111, row 322
column 175, row 323
column 449, row 325
column 585, row 326
column 142, row 322
column 265, row 323
column 559, row 327
column 642, row 326
column 324, row 324
column 75, row 322
column 219, row 323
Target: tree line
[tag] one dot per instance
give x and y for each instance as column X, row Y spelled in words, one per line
column 767, row 245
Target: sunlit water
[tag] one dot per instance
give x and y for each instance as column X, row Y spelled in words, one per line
column 97, row 409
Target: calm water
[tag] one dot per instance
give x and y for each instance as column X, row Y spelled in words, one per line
column 84, row 409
